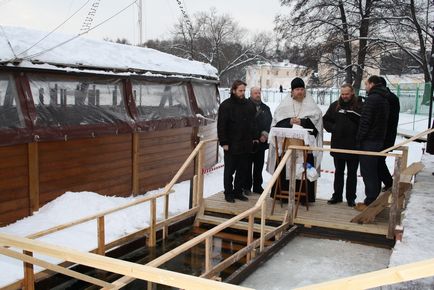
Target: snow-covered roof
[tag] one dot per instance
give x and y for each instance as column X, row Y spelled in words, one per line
column 19, row 46
column 284, row 64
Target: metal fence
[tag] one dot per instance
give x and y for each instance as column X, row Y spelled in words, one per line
column 412, row 97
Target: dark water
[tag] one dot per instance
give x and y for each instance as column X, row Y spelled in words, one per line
column 191, row 262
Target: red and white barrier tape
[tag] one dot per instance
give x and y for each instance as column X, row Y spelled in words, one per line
column 211, row 169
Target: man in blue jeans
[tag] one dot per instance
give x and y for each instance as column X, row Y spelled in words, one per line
column 371, row 135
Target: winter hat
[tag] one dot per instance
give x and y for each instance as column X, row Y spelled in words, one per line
column 297, row 83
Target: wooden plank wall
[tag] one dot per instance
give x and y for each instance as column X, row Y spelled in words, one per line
column 161, row 154
column 14, row 183
column 102, row 165
column 209, row 132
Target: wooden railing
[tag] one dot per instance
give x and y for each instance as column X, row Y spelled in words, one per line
column 392, row 275
column 252, row 247
column 112, row 265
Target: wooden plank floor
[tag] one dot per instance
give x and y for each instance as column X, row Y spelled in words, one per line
column 320, row 214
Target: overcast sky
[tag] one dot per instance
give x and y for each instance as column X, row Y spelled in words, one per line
column 159, row 16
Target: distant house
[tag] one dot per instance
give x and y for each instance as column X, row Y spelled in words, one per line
column 274, row 75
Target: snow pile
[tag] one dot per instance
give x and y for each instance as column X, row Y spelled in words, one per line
column 59, row 50
column 418, row 239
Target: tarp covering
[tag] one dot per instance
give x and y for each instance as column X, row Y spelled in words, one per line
column 64, row 50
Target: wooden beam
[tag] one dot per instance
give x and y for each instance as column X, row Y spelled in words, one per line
column 395, row 211
column 382, row 201
column 55, row 268
column 29, row 273
column 408, row 173
column 126, row 268
column 33, row 163
column 208, row 252
column 417, row 136
column 207, row 219
column 291, row 195
column 152, row 224
column 101, row 235
column 355, row 152
column 379, row 278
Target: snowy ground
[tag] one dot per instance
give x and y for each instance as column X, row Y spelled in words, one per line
column 340, row 258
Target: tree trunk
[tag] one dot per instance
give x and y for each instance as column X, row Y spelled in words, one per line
column 364, row 31
column 347, row 45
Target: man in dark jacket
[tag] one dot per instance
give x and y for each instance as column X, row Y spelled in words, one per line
column 342, row 120
column 260, row 143
column 389, row 140
column 370, row 136
column 235, row 129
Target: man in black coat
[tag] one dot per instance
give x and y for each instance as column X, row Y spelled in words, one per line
column 260, row 143
column 235, row 129
column 389, row 140
column 371, row 135
column 342, row 120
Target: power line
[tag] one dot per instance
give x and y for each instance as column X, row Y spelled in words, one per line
column 80, row 34
column 7, row 39
column 57, row 27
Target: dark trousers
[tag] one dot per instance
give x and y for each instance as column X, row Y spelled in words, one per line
column 383, row 172
column 238, row 164
column 255, row 163
column 351, row 183
column 369, row 170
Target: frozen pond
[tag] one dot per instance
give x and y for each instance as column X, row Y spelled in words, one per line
column 304, row 261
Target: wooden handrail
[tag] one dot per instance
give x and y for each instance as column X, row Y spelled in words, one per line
column 392, row 275
column 125, row 268
column 347, row 151
column 417, row 136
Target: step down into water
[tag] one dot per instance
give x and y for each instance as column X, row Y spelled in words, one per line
column 213, row 220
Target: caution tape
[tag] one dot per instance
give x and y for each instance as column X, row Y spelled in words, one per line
column 211, row 169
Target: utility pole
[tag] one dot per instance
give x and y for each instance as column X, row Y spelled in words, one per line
column 140, row 22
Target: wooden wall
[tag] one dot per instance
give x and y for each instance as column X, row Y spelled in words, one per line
column 209, row 132
column 14, row 183
column 161, row 153
column 102, row 164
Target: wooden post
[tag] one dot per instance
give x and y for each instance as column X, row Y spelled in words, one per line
column 404, row 160
column 263, row 215
column 152, row 222
column 29, row 274
column 208, row 252
column 250, row 255
column 135, row 164
column 394, row 214
column 291, row 195
column 166, row 215
column 194, row 195
column 200, row 174
column 33, row 163
column 101, row 235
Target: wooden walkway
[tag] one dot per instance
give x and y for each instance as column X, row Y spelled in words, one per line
column 320, row 214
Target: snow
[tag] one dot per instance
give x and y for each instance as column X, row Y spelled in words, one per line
column 327, row 259
column 66, row 50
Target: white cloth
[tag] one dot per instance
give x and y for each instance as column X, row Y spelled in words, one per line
column 289, row 108
column 297, row 132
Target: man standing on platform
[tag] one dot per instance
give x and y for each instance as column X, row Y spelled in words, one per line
column 260, row 143
column 370, row 136
column 389, row 140
column 342, row 121
column 235, row 129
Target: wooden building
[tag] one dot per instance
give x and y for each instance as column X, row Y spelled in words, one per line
column 84, row 115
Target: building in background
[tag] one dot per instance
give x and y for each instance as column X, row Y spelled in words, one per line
column 274, row 75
